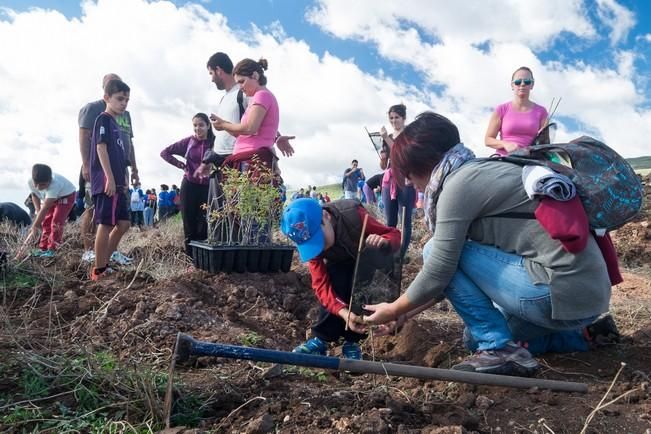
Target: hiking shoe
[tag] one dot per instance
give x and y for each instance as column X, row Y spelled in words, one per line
column 602, row 332
column 120, row 258
column 95, row 276
column 47, row 254
column 314, row 346
column 351, row 350
column 88, row 256
column 510, row 360
column 37, row 253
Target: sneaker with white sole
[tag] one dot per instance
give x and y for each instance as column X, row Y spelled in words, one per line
column 121, row 259
column 88, row 256
column 314, row 346
column 510, row 360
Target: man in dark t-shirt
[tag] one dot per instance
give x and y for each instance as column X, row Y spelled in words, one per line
column 87, row 116
column 351, row 176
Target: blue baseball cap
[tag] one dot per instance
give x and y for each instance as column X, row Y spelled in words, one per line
column 302, row 224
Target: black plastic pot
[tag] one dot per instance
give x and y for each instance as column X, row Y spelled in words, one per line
column 252, row 259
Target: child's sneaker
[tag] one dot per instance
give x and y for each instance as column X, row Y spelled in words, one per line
column 88, row 256
column 351, row 350
column 314, row 346
column 120, row 258
column 37, row 253
column 95, row 276
column 47, row 254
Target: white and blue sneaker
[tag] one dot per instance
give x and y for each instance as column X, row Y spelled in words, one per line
column 121, row 259
column 88, row 256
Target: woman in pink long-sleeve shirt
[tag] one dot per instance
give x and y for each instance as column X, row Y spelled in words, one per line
column 517, row 121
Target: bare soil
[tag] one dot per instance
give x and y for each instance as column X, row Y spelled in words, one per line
column 137, row 316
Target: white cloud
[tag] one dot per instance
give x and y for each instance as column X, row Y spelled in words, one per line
column 53, row 66
column 161, row 51
column 617, row 17
column 441, row 41
column 646, row 37
column 533, row 23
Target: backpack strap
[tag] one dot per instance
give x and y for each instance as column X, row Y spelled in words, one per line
column 514, row 215
column 240, row 102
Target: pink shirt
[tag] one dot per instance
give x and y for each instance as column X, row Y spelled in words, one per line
column 267, row 132
column 519, row 127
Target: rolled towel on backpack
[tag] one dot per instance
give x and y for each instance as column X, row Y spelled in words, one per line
column 542, row 181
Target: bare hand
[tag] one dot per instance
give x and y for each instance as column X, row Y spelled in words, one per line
column 282, row 142
column 202, row 171
column 375, row 241
column 355, row 322
column 391, row 327
column 85, row 172
column 30, row 235
column 382, row 313
column 109, row 188
column 383, row 132
column 510, row 147
column 217, row 122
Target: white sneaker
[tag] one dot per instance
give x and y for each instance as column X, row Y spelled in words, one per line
column 121, row 259
column 88, row 256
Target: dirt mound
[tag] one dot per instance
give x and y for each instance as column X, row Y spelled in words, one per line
column 633, row 241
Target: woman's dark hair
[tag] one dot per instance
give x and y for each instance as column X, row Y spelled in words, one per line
column 41, row 173
column 522, row 68
column 247, row 67
column 399, row 109
column 211, row 133
column 164, row 187
column 148, row 192
column 422, row 143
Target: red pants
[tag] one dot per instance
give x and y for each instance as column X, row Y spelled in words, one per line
column 54, row 221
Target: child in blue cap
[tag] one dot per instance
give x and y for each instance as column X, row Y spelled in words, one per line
column 327, row 238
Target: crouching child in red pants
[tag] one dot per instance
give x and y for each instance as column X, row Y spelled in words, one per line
column 327, row 238
column 53, row 197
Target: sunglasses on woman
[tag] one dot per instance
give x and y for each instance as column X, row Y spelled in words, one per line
column 526, row 81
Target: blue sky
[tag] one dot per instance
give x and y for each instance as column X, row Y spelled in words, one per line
column 335, row 66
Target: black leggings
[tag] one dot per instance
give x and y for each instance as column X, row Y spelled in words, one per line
column 193, row 200
column 330, row 327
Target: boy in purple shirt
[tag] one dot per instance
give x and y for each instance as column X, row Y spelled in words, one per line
column 108, row 177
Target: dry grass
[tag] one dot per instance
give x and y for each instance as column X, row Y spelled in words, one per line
column 59, row 380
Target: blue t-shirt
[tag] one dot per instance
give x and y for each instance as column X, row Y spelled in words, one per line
column 164, row 199
column 350, row 181
column 107, row 131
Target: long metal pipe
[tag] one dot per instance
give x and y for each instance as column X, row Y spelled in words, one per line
column 187, row 346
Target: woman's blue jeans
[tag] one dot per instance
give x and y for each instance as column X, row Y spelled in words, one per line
column 406, row 198
column 493, row 294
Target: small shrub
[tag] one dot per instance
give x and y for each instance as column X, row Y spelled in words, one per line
column 251, row 339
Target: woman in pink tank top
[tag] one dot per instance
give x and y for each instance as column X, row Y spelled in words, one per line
column 517, row 121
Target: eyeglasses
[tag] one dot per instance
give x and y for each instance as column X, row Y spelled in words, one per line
column 526, row 82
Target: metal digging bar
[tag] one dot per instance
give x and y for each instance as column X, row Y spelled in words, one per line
column 187, row 346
